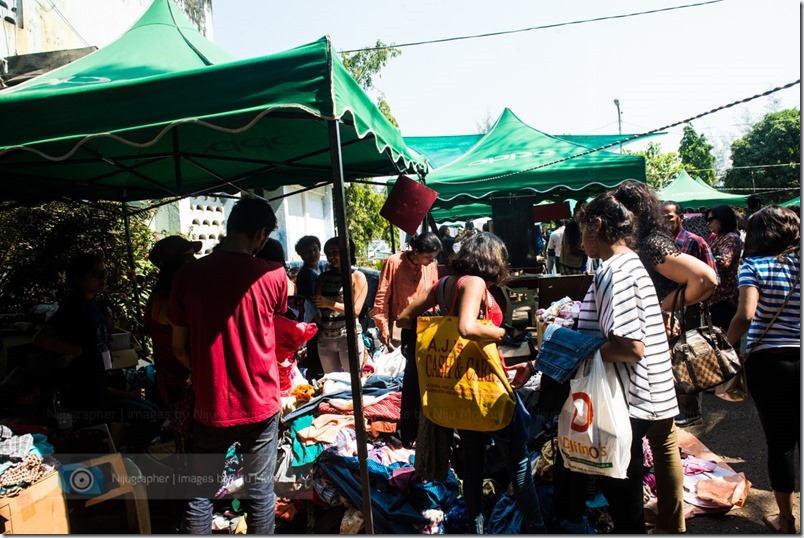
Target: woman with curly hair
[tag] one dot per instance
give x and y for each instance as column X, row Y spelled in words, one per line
column 769, row 309
column 481, row 262
column 726, row 247
column 669, row 269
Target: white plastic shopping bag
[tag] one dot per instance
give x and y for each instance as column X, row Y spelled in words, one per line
column 594, row 428
column 391, row 363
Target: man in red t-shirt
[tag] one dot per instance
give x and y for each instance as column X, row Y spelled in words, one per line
column 221, row 309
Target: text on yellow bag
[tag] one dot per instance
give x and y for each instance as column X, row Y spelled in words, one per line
column 462, row 382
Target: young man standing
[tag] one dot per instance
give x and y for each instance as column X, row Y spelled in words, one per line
column 222, row 309
column 694, row 245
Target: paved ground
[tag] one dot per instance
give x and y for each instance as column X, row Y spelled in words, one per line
column 732, row 431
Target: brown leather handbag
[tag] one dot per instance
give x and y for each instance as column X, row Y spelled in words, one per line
column 702, row 358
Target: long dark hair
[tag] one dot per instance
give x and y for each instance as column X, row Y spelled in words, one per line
column 81, row 266
column 724, row 214
column 646, row 207
column 616, row 220
column 773, row 231
column 483, row 255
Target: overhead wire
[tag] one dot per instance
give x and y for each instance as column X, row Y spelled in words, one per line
column 633, row 137
column 532, row 28
column 70, row 26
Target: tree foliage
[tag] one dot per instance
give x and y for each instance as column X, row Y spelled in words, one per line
column 38, row 243
column 660, row 167
column 363, row 206
column 196, row 11
column 365, row 65
column 775, row 140
column 363, row 203
column 696, row 155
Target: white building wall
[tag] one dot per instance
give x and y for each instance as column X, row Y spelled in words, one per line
column 48, row 25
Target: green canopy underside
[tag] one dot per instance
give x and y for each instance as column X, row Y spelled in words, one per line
column 163, row 111
column 794, row 201
column 514, row 159
column 442, row 150
column 694, row 194
column 461, row 213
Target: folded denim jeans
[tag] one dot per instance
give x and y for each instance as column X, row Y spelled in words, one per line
column 563, row 349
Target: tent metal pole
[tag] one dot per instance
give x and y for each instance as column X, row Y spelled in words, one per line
column 339, row 207
column 132, row 269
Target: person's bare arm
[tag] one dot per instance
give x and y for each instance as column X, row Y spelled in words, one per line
column 359, row 290
column 619, row 349
column 48, row 339
column 382, row 305
column 700, row 279
column 470, row 297
column 423, row 301
column 746, row 308
column 181, row 345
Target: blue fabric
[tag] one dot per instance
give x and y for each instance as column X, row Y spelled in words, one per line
column 392, row 511
column 259, row 446
column 505, row 518
column 435, row 494
column 518, row 429
column 563, row 349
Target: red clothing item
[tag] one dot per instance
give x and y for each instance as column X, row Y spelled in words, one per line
column 400, row 282
column 227, row 301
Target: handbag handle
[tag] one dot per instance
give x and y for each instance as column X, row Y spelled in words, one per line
column 680, row 291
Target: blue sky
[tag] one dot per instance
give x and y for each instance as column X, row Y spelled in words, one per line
column 662, row 67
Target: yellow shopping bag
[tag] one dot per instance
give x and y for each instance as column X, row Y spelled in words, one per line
column 462, row 382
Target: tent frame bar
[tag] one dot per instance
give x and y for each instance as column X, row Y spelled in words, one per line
column 339, row 209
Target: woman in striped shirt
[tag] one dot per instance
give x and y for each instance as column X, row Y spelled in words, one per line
column 773, row 370
column 621, row 305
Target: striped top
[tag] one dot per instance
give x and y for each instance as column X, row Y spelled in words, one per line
column 623, row 294
column 773, row 280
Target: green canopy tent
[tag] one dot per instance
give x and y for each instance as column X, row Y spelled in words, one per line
column 794, row 201
column 516, row 159
column 461, row 213
column 162, row 112
column 691, row 194
column 442, row 150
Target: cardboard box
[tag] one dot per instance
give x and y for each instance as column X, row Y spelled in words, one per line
column 39, row 509
column 125, row 358
column 540, row 328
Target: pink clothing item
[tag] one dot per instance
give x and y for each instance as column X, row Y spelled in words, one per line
column 692, row 465
column 227, row 302
column 400, row 282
